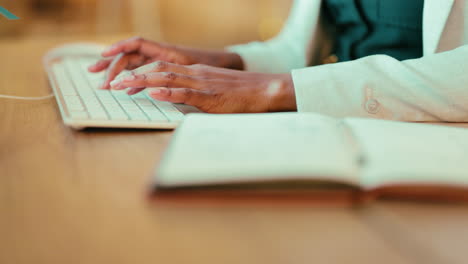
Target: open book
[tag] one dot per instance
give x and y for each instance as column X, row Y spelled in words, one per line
column 307, row 153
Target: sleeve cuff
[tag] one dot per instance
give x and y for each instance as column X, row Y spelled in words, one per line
column 325, row 90
column 269, row 56
column 258, row 57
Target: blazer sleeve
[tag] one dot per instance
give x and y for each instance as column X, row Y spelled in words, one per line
column 290, row 49
column 431, row 88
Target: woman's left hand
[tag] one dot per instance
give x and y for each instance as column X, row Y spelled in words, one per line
column 212, row 89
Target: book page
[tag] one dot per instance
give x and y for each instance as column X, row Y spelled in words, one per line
column 248, row 148
column 397, row 153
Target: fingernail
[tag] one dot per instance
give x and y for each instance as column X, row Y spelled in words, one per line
column 129, row 78
column 154, row 91
column 114, row 83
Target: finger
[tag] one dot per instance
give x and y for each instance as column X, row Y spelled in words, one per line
column 100, row 65
column 133, row 91
column 203, row 71
column 116, row 66
column 131, row 45
column 135, row 61
column 180, row 96
column 120, row 63
column 159, row 66
column 157, row 79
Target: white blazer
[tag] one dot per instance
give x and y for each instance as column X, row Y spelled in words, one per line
column 431, row 88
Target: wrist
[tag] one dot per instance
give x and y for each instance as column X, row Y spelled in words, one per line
column 215, row 58
column 281, row 93
column 230, row 60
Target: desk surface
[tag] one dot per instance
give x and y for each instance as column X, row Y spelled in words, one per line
column 79, row 197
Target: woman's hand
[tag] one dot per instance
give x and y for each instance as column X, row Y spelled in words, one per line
column 212, row 89
column 135, row 52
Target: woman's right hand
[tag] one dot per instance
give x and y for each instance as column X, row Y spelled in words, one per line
column 135, row 52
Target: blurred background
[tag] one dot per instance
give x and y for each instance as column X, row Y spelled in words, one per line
column 199, row 23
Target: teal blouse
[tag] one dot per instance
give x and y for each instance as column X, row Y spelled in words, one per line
column 369, row 27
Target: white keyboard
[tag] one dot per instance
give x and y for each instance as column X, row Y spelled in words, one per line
column 82, row 104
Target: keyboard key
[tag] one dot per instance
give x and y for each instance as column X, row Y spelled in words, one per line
column 73, row 103
column 63, row 80
column 129, row 106
column 114, row 108
column 107, row 100
column 139, row 118
column 118, row 115
column 79, row 115
column 99, row 115
column 95, row 84
column 77, row 77
column 172, row 113
column 156, row 115
column 150, row 110
column 92, row 104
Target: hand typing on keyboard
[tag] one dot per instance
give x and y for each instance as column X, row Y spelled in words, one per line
column 135, row 52
column 194, row 77
column 211, row 89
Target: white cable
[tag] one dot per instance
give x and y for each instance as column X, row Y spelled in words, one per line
column 26, row 98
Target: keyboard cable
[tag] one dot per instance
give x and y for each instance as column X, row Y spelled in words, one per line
column 27, row 98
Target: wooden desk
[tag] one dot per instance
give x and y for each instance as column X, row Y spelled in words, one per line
column 79, row 197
